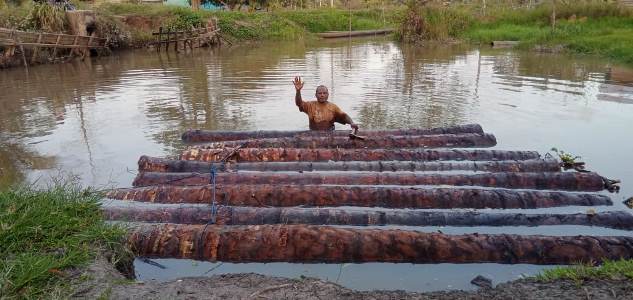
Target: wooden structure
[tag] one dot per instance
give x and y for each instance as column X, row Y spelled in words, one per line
column 15, row 38
column 194, row 38
column 241, row 204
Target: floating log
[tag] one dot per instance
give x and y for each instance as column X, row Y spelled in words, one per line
column 230, row 215
column 373, row 196
column 367, row 196
column 294, row 154
column 153, row 164
column 370, row 142
column 543, row 181
column 326, row 244
column 353, row 33
column 198, row 135
column 504, row 44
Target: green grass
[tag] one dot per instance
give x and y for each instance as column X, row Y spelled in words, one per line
column 615, row 270
column 589, row 27
column 43, row 234
column 276, row 25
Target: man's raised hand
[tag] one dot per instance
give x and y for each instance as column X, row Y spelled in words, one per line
column 298, row 83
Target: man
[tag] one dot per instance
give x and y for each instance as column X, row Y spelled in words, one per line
column 321, row 113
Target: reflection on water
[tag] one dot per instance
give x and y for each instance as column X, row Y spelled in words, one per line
column 95, row 118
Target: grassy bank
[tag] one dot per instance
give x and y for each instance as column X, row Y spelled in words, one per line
column 46, row 234
column 611, row 270
column 275, row 25
column 590, row 27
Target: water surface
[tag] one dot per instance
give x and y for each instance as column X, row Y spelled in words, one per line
column 93, row 119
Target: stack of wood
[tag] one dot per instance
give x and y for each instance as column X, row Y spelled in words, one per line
column 301, row 196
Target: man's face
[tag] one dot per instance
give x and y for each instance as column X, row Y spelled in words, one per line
column 322, row 94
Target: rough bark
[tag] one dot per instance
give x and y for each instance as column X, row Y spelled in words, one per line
column 369, row 142
column 154, row 164
column 325, row 244
column 366, row 196
column 569, row 181
column 214, row 136
column 231, row 215
column 295, row 154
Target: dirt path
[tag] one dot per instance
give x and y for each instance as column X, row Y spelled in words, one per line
column 102, row 280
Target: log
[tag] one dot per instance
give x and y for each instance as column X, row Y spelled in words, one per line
column 153, row 164
column 370, row 142
column 325, row 244
column 367, row 196
column 570, row 181
column 231, row 215
column 295, row 154
column 198, row 135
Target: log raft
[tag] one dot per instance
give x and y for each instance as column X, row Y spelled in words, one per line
column 371, row 142
column 324, row 244
column 362, row 196
column 568, row 181
column 197, row 135
column 324, row 155
column 153, row 164
column 235, row 215
column 245, row 173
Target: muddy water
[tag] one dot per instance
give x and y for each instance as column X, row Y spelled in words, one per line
column 91, row 120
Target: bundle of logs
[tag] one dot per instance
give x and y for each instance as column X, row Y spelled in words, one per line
column 294, row 196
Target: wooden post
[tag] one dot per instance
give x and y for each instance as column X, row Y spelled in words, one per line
column 160, row 38
column 553, row 15
column 35, row 49
column 26, row 65
column 56, row 44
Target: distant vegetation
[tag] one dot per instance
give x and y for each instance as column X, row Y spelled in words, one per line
column 587, row 27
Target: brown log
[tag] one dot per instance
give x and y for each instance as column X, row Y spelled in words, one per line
column 367, row 196
column 370, row 142
column 570, row 181
column 326, row 244
column 154, row 164
column 232, row 215
column 214, row 136
column 297, row 154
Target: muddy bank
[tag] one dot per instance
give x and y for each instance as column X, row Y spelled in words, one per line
column 101, row 279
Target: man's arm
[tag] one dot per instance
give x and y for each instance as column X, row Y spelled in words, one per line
column 349, row 121
column 344, row 118
column 298, row 86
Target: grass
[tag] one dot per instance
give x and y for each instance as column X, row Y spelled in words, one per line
column 614, row 270
column 276, row 25
column 43, row 234
column 588, row 27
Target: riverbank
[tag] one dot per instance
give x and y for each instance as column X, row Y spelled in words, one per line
column 591, row 28
column 48, row 237
column 55, row 242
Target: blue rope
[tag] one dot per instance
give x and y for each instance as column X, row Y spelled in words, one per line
column 214, row 207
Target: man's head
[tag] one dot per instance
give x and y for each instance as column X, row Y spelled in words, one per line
column 322, row 94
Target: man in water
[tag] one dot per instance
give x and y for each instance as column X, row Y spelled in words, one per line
column 321, row 113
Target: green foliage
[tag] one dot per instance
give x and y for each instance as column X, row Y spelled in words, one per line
column 44, row 233
column 566, row 158
column 585, row 27
column 46, row 17
column 183, row 19
column 619, row 269
column 333, row 19
column 431, row 22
